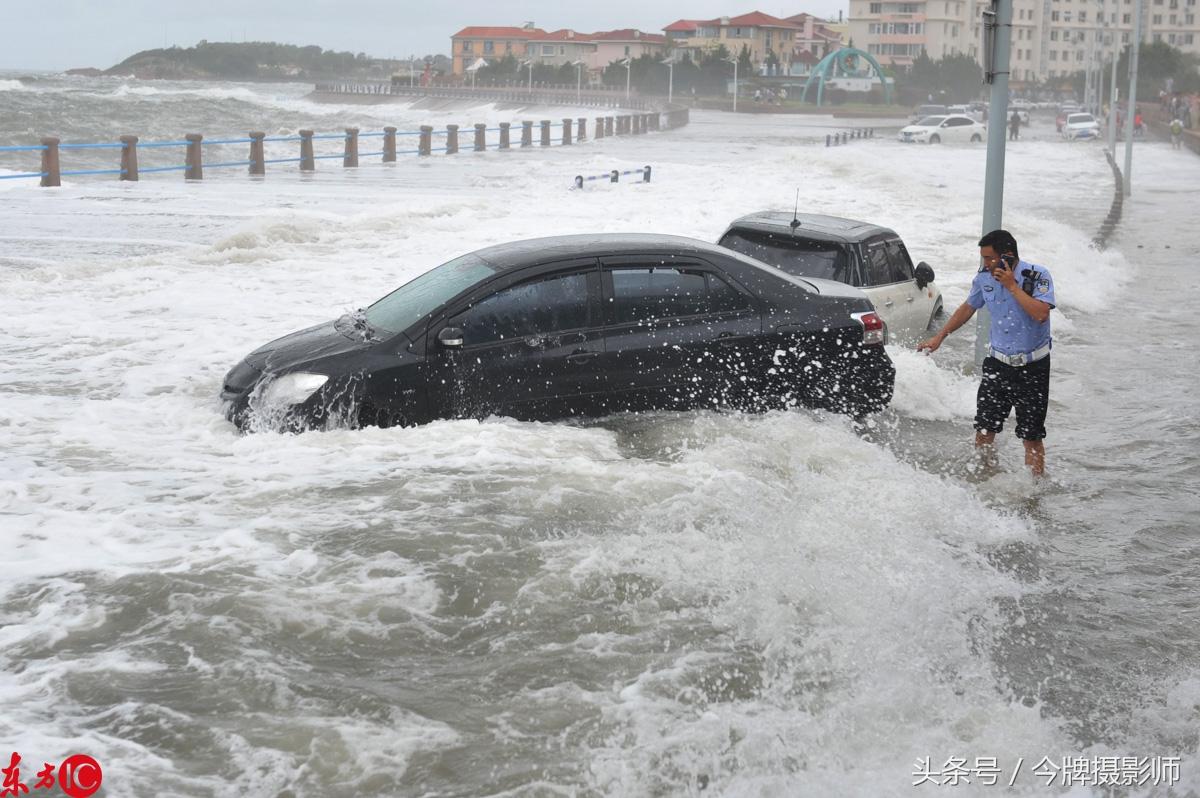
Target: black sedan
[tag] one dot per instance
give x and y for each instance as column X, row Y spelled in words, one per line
column 574, row 326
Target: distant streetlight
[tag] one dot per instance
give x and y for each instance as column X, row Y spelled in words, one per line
column 412, row 71
column 670, row 62
column 529, row 63
column 628, row 64
column 579, row 65
column 734, row 61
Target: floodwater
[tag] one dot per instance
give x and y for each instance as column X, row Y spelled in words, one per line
column 663, row 604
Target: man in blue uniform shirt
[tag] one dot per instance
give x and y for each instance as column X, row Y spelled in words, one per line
column 1016, row 371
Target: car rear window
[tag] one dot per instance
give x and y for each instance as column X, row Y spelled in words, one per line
column 1075, row 119
column 804, row 257
column 930, row 121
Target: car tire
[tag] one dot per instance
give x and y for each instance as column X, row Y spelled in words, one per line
column 935, row 139
column 976, row 138
column 937, row 311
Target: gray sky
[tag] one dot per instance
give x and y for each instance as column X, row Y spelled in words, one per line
column 89, row 33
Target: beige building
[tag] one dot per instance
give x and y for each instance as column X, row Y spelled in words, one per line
column 761, row 33
column 481, row 41
column 1050, row 38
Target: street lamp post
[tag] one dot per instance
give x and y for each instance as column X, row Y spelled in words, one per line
column 734, row 61
column 578, row 82
column 529, row 63
column 412, row 71
column 670, row 62
column 628, row 64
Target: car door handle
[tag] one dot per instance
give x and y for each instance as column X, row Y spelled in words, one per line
column 910, row 299
column 888, row 304
column 581, row 356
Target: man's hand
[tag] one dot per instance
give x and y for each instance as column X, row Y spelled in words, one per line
column 1005, row 276
column 931, row 344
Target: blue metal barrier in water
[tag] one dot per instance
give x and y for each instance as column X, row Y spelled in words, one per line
column 570, row 132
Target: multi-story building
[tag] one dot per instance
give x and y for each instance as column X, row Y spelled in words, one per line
column 815, row 36
column 763, row 34
column 1051, row 39
column 475, row 42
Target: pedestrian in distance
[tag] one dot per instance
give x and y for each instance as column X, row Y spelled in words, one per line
column 1176, row 133
column 1014, row 126
column 1016, row 372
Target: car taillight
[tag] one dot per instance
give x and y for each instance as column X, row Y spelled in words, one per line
column 874, row 330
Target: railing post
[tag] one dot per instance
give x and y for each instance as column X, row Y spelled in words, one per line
column 527, row 134
column 480, row 137
column 451, row 139
column 257, row 166
column 608, row 126
column 599, row 127
column 566, row 138
column 389, row 144
column 545, row 132
column 581, row 131
column 350, row 158
column 504, row 140
column 195, row 157
column 307, row 162
column 614, row 176
column 646, row 174
column 425, row 142
column 50, row 165
column 129, row 164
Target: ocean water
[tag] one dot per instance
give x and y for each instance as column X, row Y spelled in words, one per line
column 662, row 604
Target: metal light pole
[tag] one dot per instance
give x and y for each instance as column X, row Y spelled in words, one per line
column 578, row 82
column 530, row 64
column 1112, row 104
column 670, row 79
column 997, row 47
column 734, row 61
column 1136, row 44
column 412, row 71
column 628, row 64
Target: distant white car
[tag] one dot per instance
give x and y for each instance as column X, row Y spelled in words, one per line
column 949, row 129
column 1080, row 126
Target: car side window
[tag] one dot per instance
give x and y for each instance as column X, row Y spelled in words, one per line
column 879, row 269
column 543, row 305
column 899, row 262
column 660, row 292
column 958, row 123
column 723, row 297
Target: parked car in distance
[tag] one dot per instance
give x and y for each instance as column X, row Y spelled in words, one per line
column 950, row 129
column 1080, row 126
column 574, row 326
column 1065, row 110
column 861, row 254
column 923, row 111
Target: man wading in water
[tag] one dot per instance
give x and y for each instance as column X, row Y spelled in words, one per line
column 1016, row 372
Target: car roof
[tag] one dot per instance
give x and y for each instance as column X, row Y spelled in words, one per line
column 812, row 225
column 528, row 252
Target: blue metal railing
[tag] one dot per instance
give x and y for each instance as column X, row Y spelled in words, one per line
column 466, row 136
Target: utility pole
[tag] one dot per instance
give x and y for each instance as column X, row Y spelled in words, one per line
column 1112, row 105
column 997, row 46
column 1132, row 110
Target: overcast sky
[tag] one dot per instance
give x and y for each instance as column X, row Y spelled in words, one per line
column 94, row 33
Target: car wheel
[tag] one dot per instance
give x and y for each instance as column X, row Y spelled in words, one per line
column 976, row 139
column 935, row 139
column 937, row 311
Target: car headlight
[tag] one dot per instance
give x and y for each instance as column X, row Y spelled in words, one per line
column 294, row 388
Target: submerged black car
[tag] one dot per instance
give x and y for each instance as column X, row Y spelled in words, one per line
column 571, row 326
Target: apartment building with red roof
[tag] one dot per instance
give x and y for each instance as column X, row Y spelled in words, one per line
column 763, row 34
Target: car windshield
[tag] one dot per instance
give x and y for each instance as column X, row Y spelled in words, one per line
column 797, row 255
column 1075, row 119
column 406, row 305
column 931, row 121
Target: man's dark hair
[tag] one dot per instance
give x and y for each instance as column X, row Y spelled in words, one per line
column 1002, row 241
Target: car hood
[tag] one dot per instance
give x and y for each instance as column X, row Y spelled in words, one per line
column 303, row 346
column 916, row 129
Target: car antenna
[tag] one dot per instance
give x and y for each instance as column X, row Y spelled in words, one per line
column 796, row 212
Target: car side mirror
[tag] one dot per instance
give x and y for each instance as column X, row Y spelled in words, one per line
column 924, row 273
column 450, row 337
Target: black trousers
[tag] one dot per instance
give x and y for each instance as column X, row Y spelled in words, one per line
column 1003, row 387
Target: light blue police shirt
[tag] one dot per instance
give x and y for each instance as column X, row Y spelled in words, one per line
column 1013, row 331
